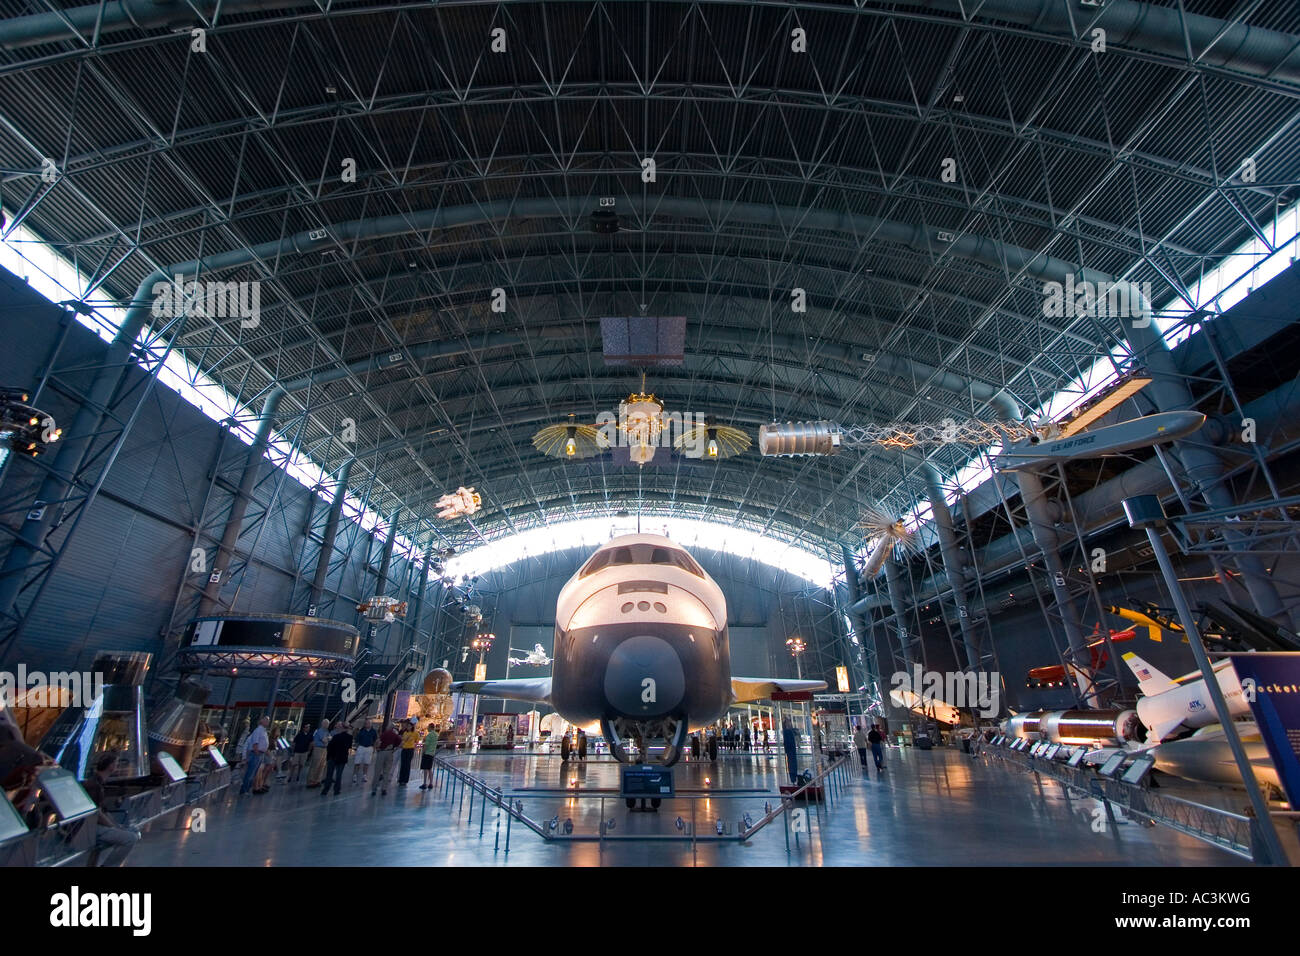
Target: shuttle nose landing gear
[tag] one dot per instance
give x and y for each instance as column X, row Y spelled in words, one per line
column 671, row 729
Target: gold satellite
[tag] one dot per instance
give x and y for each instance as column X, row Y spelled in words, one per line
column 570, row 440
column 711, row 441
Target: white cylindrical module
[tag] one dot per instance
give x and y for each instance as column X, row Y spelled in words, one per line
column 799, row 438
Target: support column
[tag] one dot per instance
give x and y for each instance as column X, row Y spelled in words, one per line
column 327, row 542
column 898, row 601
column 211, row 601
column 1043, row 527
column 953, row 565
column 419, row 586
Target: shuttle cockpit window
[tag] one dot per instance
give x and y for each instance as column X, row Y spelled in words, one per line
column 598, row 561
column 642, row 554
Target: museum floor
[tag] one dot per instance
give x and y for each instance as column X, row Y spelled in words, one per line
column 929, row 808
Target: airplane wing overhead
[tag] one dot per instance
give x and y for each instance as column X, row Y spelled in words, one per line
column 745, row 689
column 535, row 689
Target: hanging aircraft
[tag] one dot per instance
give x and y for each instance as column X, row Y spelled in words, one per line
column 1053, row 675
column 641, row 649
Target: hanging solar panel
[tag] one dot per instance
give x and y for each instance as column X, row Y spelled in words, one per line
column 643, row 341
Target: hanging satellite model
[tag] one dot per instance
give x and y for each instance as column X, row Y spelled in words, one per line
column 711, row 441
column 537, row 657
column 641, row 427
column 641, row 423
column 382, row 608
column 571, row 440
column 461, row 503
column 884, row 533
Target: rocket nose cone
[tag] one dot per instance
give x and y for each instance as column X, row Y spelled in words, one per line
column 644, row 677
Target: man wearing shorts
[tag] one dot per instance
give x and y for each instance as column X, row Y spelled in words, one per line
column 431, row 745
column 365, row 743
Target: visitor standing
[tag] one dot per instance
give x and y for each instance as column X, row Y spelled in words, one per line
column 431, row 743
column 366, row 738
column 316, row 761
column 254, row 753
column 409, row 739
column 384, row 751
column 298, row 761
column 337, row 752
column 791, row 743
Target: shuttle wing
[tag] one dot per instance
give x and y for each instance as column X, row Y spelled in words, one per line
column 535, row 689
column 745, row 689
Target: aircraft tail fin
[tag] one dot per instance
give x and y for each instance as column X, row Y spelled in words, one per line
column 1151, row 680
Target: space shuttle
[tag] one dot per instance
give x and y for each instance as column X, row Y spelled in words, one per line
column 641, row 650
column 1172, row 706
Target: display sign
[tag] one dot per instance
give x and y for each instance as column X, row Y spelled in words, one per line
column 11, row 824
column 218, row 760
column 480, row 671
column 1138, row 769
column 171, row 769
column 842, row 678
column 66, row 795
column 1112, row 764
column 646, row 781
column 1270, row 681
column 1076, row 758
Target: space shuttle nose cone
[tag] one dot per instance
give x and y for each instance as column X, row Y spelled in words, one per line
column 644, row 677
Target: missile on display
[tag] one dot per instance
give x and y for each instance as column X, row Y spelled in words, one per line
column 641, row 648
column 1126, row 436
column 1075, row 726
column 1206, row 757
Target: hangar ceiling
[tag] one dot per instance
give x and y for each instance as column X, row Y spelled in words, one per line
column 774, row 170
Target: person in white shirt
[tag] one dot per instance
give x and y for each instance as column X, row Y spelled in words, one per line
column 254, row 752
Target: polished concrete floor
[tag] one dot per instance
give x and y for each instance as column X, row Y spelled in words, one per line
column 929, row 808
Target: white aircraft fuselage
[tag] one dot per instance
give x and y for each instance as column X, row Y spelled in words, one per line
column 641, row 641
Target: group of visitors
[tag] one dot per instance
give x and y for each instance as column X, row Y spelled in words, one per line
column 325, row 754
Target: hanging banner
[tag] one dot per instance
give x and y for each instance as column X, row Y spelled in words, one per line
column 842, row 678
column 1270, row 682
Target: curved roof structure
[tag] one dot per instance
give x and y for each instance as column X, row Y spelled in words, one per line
column 918, row 169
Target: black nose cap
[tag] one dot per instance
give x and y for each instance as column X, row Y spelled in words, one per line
column 644, row 677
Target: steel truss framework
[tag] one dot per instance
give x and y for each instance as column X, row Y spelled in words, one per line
column 774, row 173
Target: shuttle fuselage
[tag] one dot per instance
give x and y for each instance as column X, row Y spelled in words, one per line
column 641, row 642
